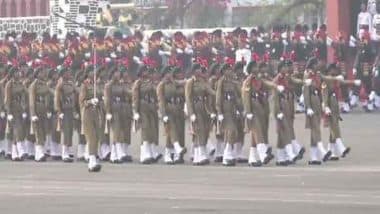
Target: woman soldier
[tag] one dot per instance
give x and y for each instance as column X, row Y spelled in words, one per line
column 53, row 137
column 331, row 93
column 214, row 73
column 128, row 80
column 30, row 138
column 91, row 117
column 228, row 104
column 65, row 105
column 284, row 113
column 170, row 96
column 118, row 115
column 39, row 104
column 254, row 112
column 144, row 105
column 312, row 93
column 198, row 94
column 15, row 101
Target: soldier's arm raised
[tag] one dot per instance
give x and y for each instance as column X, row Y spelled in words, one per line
column 161, row 99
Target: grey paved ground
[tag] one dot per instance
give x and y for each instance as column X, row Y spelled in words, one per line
column 349, row 186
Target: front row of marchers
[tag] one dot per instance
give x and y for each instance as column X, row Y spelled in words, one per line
column 43, row 107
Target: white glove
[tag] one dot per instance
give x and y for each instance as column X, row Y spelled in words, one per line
column 193, row 117
column 237, row 113
column 220, row 117
column 76, row 116
column 107, row 59
column 280, row 116
column 372, row 96
column 327, row 111
column 309, row 112
column 61, row 55
column 10, row 117
column 179, row 50
column 354, row 71
column 108, row 116
column 94, row 101
column 213, row 116
column 87, row 55
column 249, row 116
column 280, row 88
column 308, row 82
column 340, row 78
column 163, row 53
column 34, row 118
column 165, row 119
column 136, row 116
column 137, row 60
column 113, row 55
column 48, row 115
column 61, row 116
column 24, row 115
column 214, row 51
column 2, row 114
column 189, row 50
column 357, row 82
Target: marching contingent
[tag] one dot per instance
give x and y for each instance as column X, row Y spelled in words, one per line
column 226, row 84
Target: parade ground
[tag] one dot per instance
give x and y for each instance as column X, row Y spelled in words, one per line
column 350, row 186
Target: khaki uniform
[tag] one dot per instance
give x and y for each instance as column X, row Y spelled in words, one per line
column 53, row 121
column 171, row 99
column 198, row 94
column 27, row 125
column 117, row 100
column 92, row 117
column 65, row 102
column 228, row 101
column 312, row 95
column 331, row 91
column 144, row 102
column 39, row 104
column 16, row 104
column 282, row 104
column 252, row 105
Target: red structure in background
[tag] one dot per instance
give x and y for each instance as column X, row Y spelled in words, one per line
column 341, row 17
column 23, row 8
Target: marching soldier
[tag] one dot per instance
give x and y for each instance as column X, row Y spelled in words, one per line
column 39, row 105
column 330, row 105
column 283, row 110
column 118, row 115
column 198, row 94
column 144, row 105
column 254, row 112
column 30, row 138
column 170, row 96
column 52, row 137
column 15, row 104
column 65, row 104
column 91, row 117
column 214, row 72
column 228, row 106
column 312, row 94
